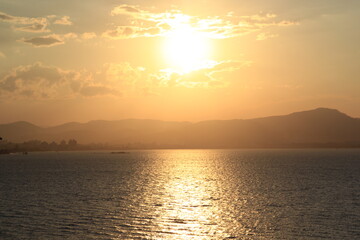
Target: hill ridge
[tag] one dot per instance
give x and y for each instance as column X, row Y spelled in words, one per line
column 316, row 127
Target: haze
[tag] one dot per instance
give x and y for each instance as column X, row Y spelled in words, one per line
column 63, row 61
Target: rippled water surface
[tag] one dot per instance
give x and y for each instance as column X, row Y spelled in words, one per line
column 181, row 194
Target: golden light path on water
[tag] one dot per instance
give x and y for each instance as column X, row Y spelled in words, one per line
column 186, row 197
column 188, row 200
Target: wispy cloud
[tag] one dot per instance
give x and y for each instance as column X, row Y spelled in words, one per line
column 26, row 24
column 122, row 32
column 88, row 35
column 128, row 9
column 36, row 27
column 49, row 40
column 65, row 20
column 44, row 41
column 210, row 76
column 146, row 23
column 19, row 20
column 30, row 24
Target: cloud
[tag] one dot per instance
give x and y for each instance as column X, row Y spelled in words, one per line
column 2, row 55
column 210, row 76
column 126, row 9
column 46, row 82
column 19, row 20
column 50, row 40
column 40, row 81
column 65, row 20
column 29, row 24
column 123, row 32
column 124, row 76
column 230, row 66
column 26, row 24
column 45, row 41
column 144, row 23
column 88, row 35
column 24, row 78
column 6, row 17
column 36, row 27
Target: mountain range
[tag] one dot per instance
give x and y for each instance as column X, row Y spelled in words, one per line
column 320, row 127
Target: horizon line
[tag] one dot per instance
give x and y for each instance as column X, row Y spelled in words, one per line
column 175, row 121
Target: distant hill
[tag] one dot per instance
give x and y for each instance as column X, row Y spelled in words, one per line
column 320, row 127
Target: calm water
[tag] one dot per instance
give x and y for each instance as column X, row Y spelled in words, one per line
column 181, row 194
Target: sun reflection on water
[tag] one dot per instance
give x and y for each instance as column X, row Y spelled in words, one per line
column 189, row 207
column 187, row 194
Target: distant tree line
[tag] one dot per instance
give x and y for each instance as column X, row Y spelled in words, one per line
column 73, row 145
column 37, row 145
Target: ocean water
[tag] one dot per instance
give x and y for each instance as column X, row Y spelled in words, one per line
column 181, row 194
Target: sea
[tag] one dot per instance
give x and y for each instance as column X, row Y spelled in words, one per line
column 181, row 194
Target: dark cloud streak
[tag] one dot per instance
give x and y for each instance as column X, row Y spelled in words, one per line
column 46, row 41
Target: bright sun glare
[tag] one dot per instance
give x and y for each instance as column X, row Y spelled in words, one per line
column 186, row 49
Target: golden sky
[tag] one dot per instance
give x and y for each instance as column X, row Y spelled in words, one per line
column 183, row 60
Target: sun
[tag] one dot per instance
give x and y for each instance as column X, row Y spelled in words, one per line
column 186, row 49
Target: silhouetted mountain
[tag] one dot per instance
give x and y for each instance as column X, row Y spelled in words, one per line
column 321, row 127
column 19, row 131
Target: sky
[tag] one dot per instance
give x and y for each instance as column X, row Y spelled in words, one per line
column 176, row 60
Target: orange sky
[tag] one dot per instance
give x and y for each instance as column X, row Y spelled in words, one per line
column 62, row 61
